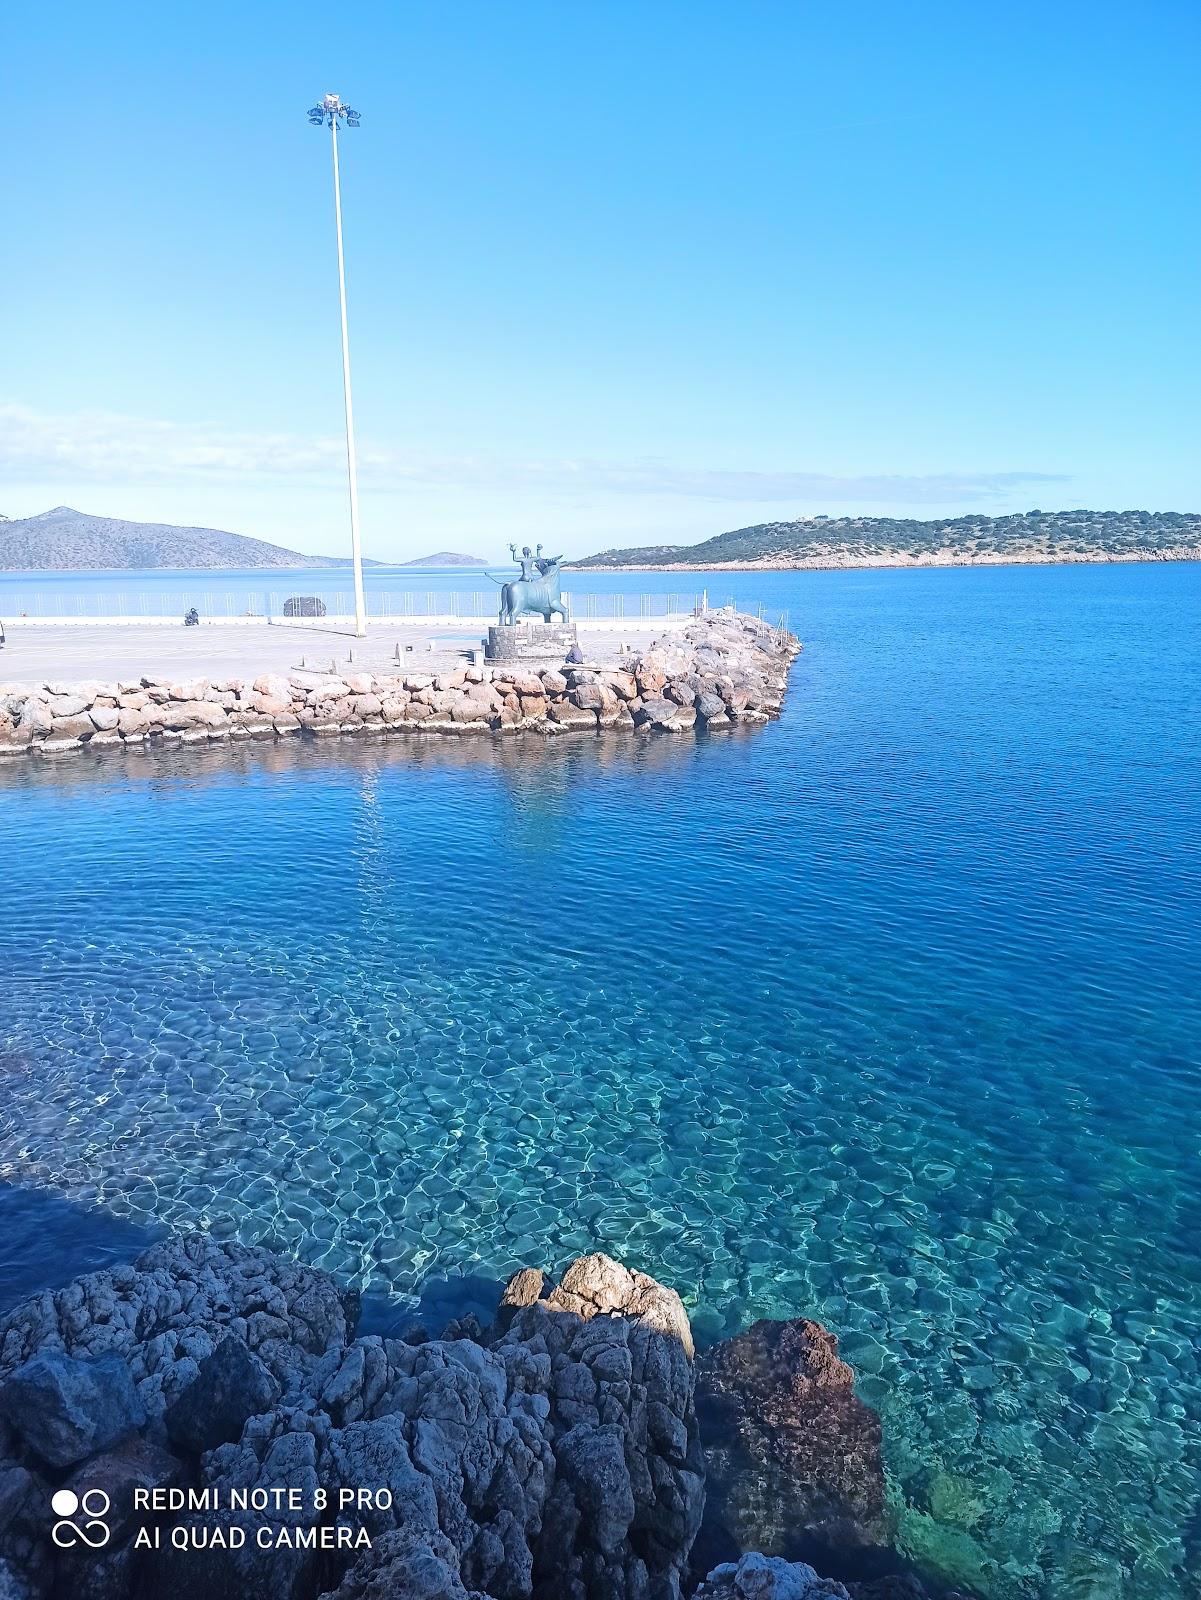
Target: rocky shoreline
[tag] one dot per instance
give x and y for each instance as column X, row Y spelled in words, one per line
column 205, row 1421
column 723, row 670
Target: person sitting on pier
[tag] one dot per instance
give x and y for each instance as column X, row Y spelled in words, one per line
column 575, row 655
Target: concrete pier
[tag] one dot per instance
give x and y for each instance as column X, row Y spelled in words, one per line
column 40, row 652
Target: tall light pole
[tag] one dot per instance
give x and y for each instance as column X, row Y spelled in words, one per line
column 332, row 112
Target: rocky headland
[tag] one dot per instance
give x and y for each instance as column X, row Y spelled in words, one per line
column 722, row 670
column 65, row 540
column 206, row 1422
column 1031, row 538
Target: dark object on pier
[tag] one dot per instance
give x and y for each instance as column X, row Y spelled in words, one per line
column 191, row 618
column 304, row 605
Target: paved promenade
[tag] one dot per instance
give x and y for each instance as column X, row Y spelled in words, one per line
column 71, row 652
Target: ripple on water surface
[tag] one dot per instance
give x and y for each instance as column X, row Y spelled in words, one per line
column 885, row 1015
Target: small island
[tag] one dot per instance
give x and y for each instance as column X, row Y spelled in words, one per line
column 1026, row 538
column 445, row 558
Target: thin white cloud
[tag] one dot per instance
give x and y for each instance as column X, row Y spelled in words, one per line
column 101, row 447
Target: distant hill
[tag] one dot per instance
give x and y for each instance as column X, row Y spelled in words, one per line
column 63, row 539
column 1031, row 536
column 445, row 558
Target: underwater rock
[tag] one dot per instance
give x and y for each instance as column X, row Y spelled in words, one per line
column 759, row 1577
column 792, row 1456
column 897, row 1586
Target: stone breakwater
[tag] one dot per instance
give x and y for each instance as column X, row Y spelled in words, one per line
column 214, row 1390
column 722, row 670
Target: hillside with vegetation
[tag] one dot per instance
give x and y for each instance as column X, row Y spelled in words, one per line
column 64, row 540
column 1031, row 536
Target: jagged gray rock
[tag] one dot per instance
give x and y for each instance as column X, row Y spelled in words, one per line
column 758, row 1577
column 230, row 1386
column 166, row 1313
column 556, row 1456
column 63, row 1409
column 406, row 1567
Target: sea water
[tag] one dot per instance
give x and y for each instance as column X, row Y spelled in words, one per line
column 885, row 1014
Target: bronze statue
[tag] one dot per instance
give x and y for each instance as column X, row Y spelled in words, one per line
column 528, row 593
column 525, row 561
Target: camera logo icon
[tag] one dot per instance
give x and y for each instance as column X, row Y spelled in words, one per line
column 93, row 1505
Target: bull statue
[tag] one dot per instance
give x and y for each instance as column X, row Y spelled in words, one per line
column 537, row 589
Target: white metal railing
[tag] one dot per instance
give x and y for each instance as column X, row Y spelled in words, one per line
column 230, row 605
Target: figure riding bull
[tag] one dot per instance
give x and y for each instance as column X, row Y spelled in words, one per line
column 528, row 593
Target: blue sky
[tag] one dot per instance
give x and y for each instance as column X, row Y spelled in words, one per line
column 618, row 272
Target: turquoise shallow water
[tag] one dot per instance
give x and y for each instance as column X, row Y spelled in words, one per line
column 887, row 1014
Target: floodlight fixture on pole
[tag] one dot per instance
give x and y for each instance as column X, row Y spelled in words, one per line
column 332, row 112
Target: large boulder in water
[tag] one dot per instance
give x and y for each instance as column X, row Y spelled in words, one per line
column 792, row 1455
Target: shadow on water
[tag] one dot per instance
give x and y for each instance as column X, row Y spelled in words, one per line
column 442, row 1300
column 46, row 1240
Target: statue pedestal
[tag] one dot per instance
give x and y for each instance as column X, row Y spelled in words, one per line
column 534, row 644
